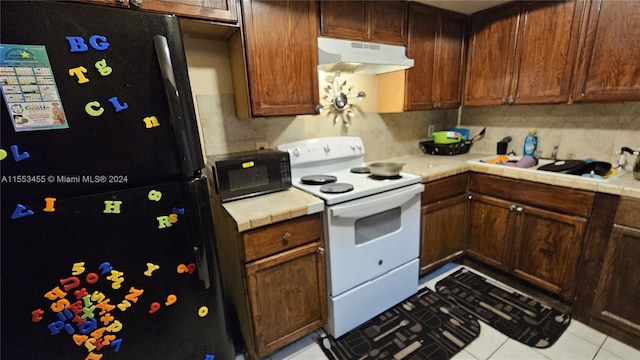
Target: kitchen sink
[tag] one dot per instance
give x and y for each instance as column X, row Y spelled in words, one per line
column 512, row 160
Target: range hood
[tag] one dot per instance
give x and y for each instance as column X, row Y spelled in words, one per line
column 360, row 57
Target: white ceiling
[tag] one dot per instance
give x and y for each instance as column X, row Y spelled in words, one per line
column 465, row 6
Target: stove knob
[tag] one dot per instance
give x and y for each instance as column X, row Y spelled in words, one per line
column 359, row 146
column 296, row 152
column 326, row 148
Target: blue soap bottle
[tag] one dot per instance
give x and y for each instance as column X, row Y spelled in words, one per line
column 531, row 143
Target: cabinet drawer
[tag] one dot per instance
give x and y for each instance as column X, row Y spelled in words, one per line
column 280, row 237
column 627, row 214
column 444, row 188
column 564, row 200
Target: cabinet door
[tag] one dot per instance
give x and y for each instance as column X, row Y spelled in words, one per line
column 344, row 19
column 287, row 296
column 421, row 47
column 491, row 54
column 608, row 68
column 492, row 225
column 443, row 232
column 282, row 56
column 546, row 49
column 449, row 61
column 616, row 301
column 388, row 22
column 218, row 10
column 547, row 249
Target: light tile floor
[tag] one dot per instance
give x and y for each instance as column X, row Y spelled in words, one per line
column 579, row 342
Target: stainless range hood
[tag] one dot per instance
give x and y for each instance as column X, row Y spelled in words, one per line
column 361, row 57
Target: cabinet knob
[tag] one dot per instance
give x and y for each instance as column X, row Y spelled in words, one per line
column 470, row 197
column 136, row 3
column 519, row 209
column 321, row 250
column 511, row 100
column 503, row 101
column 512, row 207
column 286, row 237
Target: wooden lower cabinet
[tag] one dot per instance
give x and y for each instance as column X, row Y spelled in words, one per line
column 443, row 225
column 615, row 305
column 547, row 249
column 540, row 243
column 274, row 277
column 287, row 295
column 491, row 228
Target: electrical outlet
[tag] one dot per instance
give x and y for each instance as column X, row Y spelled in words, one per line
column 430, row 131
column 261, row 145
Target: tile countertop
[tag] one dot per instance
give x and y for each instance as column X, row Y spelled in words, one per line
column 267, row 209
column 432, row 167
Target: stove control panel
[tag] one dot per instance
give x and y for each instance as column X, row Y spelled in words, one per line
column 317, row 150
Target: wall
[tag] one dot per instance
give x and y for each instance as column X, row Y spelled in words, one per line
column 580, row 130
column 384, row 136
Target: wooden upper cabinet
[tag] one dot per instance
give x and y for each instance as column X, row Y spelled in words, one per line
column 546, row 51
column 449, row 63
column 217, row 10
column 376, row 21
column 436, row 44
column 388, row 22
column 608, row 68
column 523, row 53
column 225, row 11
column 344, row 19
column 421, row 47
column 491, row 53
column 118, row 3
column 281, row 52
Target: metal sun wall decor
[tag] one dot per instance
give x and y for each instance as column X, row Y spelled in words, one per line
column 337, row 94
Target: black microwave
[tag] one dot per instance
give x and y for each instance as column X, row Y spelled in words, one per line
column 249, row 173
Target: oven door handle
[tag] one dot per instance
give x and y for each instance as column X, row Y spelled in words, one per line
column 376, row 204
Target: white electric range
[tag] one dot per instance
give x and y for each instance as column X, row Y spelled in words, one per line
column 371, row 228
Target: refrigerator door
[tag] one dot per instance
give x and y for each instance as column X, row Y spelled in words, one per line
column 94, row 99
column 121, row 274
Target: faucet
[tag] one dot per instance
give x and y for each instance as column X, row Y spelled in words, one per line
column 554, row 153
column 622, row 161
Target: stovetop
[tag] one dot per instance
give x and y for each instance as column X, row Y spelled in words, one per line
column 336, row 156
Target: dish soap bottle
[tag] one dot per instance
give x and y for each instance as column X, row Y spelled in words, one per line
column 531, row 143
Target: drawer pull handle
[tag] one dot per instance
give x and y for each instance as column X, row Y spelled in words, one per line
column 286, row 237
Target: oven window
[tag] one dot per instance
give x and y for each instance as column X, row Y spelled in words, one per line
column 377, row 225
column 248, row 178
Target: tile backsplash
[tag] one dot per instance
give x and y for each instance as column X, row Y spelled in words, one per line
column 384, row 135
column 580, row 130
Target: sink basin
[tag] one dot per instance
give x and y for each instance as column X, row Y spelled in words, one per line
column 487, row 161
column 511, row 161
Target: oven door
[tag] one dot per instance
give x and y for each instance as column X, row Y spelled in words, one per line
column 368, row 237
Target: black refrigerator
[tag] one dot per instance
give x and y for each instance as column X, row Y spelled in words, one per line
column 108, row 246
